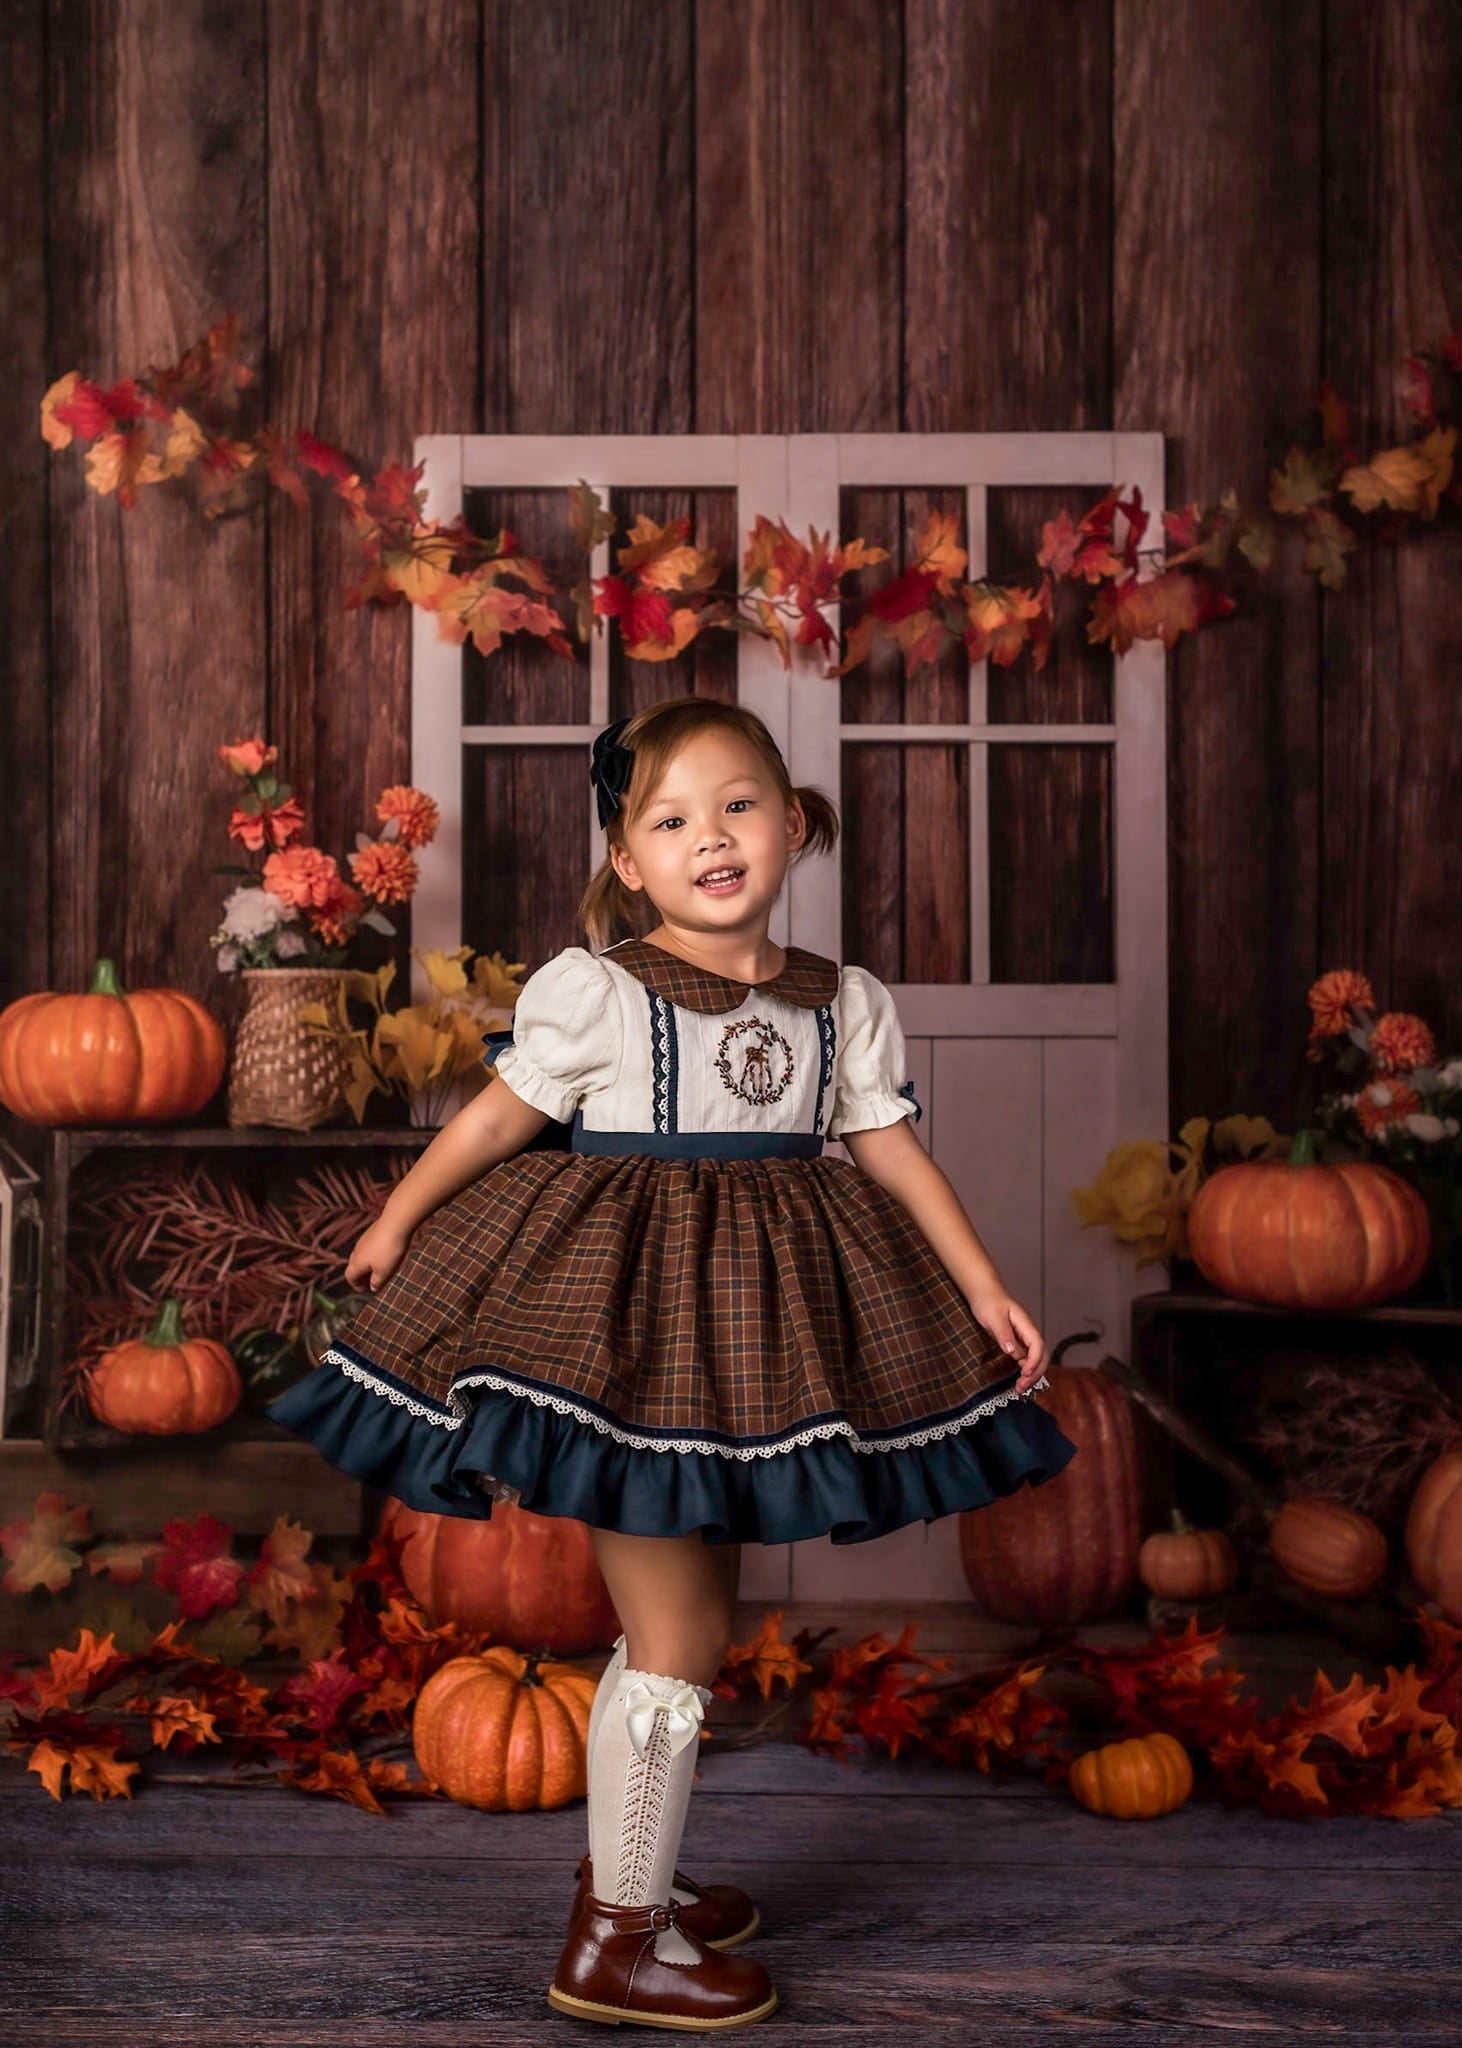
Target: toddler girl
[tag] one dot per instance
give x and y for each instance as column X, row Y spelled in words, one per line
column 626, row 1285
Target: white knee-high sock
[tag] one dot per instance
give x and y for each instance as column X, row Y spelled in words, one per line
column 642, row 1765
column 609, row 1678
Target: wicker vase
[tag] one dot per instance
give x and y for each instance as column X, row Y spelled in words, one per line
column 280, row 1073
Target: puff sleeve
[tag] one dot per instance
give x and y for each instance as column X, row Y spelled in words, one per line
column 871, row 1087
column 566, row 1035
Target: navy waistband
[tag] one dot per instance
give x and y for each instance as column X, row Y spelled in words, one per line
column 702, row 1144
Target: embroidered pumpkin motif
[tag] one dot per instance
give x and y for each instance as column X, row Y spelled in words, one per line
column 758, row 1068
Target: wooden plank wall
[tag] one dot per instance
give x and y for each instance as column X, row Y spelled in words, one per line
column 945, row 214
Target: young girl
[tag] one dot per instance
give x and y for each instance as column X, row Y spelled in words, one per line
column 672, row 1316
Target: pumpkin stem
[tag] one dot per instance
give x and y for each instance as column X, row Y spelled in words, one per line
column 1302, row 1147
column 168, row 1329
column 104, row 980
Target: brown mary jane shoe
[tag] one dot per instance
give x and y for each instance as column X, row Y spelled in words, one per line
column 720, row 1915
column 609, row 1971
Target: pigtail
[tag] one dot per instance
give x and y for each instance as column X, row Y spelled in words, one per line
column 608, row 910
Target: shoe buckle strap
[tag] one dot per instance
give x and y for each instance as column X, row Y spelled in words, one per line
column 665, row 1916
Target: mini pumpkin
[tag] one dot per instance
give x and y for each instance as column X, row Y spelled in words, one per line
column 1188, row 1564
column 106, row 1057
column 1329, row 1547
column 164, row 1384
column 1433, row 1534
column 505, row 1732
column 1133, row 1780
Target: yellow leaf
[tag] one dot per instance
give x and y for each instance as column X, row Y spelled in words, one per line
column 939, row 551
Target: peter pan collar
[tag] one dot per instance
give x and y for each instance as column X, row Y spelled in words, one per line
column 807, row 979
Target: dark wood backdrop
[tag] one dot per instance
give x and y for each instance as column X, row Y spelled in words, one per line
column 591, row 215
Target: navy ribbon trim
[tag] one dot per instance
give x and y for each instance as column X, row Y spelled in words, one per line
column 701, row 1144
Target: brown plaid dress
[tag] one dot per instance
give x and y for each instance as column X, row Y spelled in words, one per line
column 678, row 1312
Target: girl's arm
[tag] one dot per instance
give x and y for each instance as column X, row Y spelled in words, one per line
column 485, row 1131
column 893, row 1156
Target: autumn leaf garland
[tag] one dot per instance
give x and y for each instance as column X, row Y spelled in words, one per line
column 183, row 421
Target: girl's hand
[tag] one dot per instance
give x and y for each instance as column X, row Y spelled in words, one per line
column 1015, row 1332
column 379, row 1250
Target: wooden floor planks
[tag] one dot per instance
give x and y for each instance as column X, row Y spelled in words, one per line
column 902, row 1903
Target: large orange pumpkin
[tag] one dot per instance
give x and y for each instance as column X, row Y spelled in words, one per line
column 527, row 1579
column 1133, row 1780
column 1303, row 1235
column 1433, row 1534
column 505, row 1732
column 165, row 1384
column 1064, row 1552
column 1329, row 1547
column 104, row 1057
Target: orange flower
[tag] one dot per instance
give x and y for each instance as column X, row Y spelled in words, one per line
column 1332, row 998
column 416, row 810
column 1400, row 1042
column 302, row 875
column 281, row 822
column 1384, row 1102
column 385, row 870
column 329, row 923
column 247, row 757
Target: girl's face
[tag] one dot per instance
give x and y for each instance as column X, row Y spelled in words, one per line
column 716, row 806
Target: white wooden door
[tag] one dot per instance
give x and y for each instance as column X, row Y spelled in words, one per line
column 1025, row 1087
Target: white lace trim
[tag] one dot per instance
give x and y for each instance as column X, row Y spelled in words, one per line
column 566, row 1405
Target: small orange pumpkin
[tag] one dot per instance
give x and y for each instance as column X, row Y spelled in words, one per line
column 1329, row 1547
column 526, row 1579
column 1433, row 1534
column 505, row 1732
column 1303, row 1235
column 165, row 1384
column 1133, row 1780
column 104, row 1057
column 1183, row 1563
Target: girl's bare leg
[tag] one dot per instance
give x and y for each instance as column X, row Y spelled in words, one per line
column 675, row 1596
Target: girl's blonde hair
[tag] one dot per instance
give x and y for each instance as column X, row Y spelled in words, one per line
column 607, row 909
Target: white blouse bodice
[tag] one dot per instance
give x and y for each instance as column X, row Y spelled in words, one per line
column 593, row 1038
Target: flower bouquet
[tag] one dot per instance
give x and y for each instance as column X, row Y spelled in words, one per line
column 297, row 909
column 426, row 1052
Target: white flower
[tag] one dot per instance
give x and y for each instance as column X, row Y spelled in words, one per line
column 228, row 959
column 1380, row 1093
column 291, row 942
column 1450, row 1073
column 251, row 913
column 1422, row 1125
column 1450, row 1126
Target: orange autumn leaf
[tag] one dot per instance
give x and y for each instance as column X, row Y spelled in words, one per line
column 171, row 1715
column 663, row 556
column 40, row 1550
column 684, row 626
column 476, row 604
column 1409, row 479
column 281, row 1574
column 122, row 462
column 91, row 1664
column 939, row 552
column 95, row 1768
column 310, row 1624
column 765, row 1658
column 338, row 1772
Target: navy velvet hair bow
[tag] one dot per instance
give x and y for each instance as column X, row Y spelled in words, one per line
column 610, row 769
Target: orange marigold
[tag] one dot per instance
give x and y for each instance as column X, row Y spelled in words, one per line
column 1332, row 998
column 329, row 924
column 416, row 810
column 385, row 870
column 1400, row 1042
column 302, row 875
column 1384, row 1102
column 247, row 757
column 280, row 823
